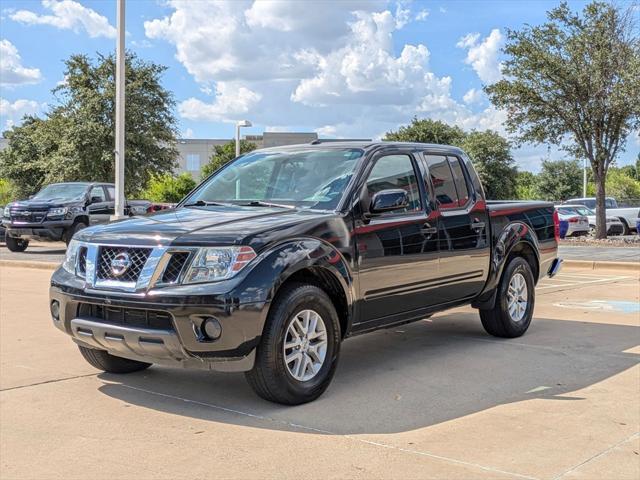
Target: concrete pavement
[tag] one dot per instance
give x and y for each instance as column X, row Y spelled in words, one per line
column 432, row 399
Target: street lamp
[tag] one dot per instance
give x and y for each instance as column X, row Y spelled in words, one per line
column 119, row 133
column 241, row 123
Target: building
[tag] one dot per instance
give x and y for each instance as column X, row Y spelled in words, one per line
column 194, row 153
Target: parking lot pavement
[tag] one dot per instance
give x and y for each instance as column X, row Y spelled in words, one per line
column 604, row 254
column 36, row 252
column 433, row 399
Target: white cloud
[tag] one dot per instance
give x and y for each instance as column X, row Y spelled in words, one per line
column 68, row 15
column 483, row 55
column 230, row 101
column 11, row 113
column 11, row 70
column 336, row 71
column 422, row 15
column 472, row 96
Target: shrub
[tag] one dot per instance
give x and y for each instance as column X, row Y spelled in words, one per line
column 169, row 188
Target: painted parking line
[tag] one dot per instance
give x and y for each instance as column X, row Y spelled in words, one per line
column 564, row 280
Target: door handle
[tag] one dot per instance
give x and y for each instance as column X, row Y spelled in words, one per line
column 428, row 229
column 477, row 225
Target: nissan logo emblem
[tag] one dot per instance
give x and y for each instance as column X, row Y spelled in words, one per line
column 120, row 263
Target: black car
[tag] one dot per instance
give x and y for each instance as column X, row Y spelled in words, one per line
column 280, row 255
column 60, row 210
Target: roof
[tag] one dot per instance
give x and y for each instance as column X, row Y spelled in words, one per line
column 366, row 145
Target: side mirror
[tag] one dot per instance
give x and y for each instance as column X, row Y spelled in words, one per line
column 388, row 200
column 95, row 199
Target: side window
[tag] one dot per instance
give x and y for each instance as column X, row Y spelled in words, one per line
column 395, row 171
column 112, row 193
column 98, row 191
column 442, row 180
column 608, row 203
column 460, row 181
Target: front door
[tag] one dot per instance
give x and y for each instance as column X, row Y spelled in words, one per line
column 463, row 229
column 397, row 250
column 98, row 206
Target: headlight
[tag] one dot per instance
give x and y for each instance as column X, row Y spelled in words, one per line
column 56, row 212
column 6, row 213
column 69, row 263
column 218, row 263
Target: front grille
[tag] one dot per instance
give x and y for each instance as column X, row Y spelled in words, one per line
column 82, row 262
column 132, row 317
column 27, row 216
column 174, row 267
column 137, row 256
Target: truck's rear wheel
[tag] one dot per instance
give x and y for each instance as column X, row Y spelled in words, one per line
column 511, row 315
column 110, row 363
column 298, row 352
column 16, row 244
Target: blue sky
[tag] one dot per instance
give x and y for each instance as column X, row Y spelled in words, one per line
column 344, row 68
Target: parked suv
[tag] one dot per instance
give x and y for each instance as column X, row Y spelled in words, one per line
column 60, row 210
column 280, row 255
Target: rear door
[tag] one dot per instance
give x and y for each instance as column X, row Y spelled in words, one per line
column 463, row 235
column 398, row 250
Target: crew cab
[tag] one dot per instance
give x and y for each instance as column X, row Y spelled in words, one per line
column 60, row 210
column 276, row 258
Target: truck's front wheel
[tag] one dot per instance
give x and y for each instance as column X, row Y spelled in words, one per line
column 16, row 244
column 298, row 352
column 110, row 363
column 511, row 315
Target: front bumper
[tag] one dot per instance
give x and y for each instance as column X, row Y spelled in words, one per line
column 48, row 230
column 136, row 334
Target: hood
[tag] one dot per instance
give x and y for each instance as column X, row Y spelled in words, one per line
column 37, row 204
column 201, row 226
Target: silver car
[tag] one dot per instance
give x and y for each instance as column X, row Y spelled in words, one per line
column 614, row 225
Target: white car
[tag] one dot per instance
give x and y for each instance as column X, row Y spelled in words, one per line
column 614, row 225
column 628, row 216
column 577, row 224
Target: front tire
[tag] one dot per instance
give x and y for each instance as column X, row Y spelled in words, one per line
column 513, row 310
column 15, row 244
column 298, row 353
column 110, row 363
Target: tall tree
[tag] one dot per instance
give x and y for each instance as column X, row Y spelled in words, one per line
column 575, row 81
column 223, row 154
column 75, row 140
column 427, row 131
column 559, row 180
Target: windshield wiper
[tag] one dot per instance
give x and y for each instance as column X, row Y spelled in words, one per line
column 259, row 203
column 202, row 203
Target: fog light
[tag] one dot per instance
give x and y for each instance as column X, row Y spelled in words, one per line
column 55, row 309
column 211, row 328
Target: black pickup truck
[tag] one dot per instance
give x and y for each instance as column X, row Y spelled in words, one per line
column 280, row 255
column 60, row 210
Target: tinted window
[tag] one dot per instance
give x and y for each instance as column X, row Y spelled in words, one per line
column 460, row 181
column 98, row 192
column 442, row 180
column 395, row 171
column 609, row 203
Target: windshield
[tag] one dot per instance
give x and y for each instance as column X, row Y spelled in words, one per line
column 308, row 178
column 573, row 210
column 61, row 191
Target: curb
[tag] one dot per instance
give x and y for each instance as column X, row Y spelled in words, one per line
column 29, row 264
column 601, row 265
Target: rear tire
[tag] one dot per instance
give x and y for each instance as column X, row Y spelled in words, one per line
column 110, row 363
column 15, row 244
column 272, row 378
column 625, row 227
column 511, row 316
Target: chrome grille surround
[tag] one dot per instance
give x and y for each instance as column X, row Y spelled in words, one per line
column 151, row 264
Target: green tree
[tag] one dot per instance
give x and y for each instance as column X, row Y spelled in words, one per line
column 427, row 131
column 223, row 154
column 75, row 140
column 526, row 184
column 6, row 191
column 621, row 186
column 559, row 180
column 169, row 188
column 491, row 156
column 575, row 81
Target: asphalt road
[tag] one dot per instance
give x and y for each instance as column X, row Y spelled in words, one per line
column 54, row 252
column 433, row 399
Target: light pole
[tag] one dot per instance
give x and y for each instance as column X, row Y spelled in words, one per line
column 241, row 123
column 119, row 147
